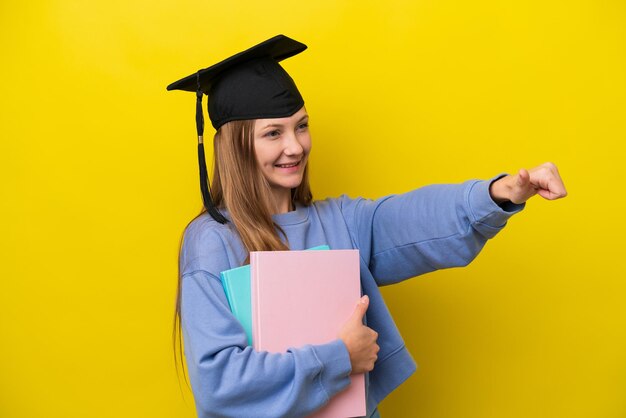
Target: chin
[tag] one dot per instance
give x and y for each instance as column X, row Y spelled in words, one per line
column 287, row 184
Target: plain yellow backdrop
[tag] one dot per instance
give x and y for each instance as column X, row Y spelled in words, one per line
column 99, row 178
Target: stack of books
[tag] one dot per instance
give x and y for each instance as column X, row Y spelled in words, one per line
column 287, row 299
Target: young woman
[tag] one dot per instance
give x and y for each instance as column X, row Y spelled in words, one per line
column 261, row 200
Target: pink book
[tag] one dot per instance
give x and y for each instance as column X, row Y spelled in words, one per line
column 305, row 297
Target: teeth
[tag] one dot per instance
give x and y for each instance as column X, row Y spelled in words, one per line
column 287, row 165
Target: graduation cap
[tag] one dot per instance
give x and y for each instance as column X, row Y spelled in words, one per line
column 248, row 85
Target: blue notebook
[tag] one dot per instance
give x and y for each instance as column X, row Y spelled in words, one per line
column 236, row 283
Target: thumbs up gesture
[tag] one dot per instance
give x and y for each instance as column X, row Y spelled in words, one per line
column 543, row 180
column 360, row 340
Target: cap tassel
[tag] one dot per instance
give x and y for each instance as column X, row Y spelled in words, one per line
column 204, row 176
column 204, row 188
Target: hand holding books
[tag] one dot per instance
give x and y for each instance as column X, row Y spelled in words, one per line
column 360, row 340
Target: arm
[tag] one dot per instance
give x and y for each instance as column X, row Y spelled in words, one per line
column 442, row 226
column 434, row 227
column 230, row 379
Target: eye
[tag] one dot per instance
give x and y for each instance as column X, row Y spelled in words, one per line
column 303, row 126
column 273, row 134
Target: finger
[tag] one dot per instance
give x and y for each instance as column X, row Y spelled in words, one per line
column 551, row 194
column 361, row 308
column 547, row 194
column 556, row 185
column 523, row 178
column 550, row 183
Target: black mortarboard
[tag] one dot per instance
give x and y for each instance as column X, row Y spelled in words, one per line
column 248, row 85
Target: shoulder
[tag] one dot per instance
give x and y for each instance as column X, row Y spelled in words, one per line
column 338, row 203
column 330, row 208
column 356, row 214
column 204, row 230
column 210, row 246
column 349, row 207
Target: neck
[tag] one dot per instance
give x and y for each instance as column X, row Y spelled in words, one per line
column 282, row 200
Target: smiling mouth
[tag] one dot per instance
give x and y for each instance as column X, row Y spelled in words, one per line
column 288, row 165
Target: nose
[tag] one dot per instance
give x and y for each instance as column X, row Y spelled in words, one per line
column 292, row 145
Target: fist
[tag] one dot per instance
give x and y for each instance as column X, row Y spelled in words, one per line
column 543, row 180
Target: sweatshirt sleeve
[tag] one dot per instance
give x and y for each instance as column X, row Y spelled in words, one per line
column 230, row 379
column 431, row 228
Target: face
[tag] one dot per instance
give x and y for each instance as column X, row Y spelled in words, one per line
column 282, row 147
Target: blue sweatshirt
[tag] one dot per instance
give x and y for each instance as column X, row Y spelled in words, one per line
column 398, row 237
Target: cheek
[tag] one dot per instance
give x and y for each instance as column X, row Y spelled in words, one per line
column 262, row 152
column 307, row 145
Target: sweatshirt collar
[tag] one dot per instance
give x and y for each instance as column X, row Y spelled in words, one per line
column 297, row 216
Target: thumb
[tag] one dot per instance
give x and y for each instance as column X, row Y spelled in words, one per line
column 523, row 178
column 361, row 308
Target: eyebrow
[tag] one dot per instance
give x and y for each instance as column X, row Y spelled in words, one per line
column 280, row 125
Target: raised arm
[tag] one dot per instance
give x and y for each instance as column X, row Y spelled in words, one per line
column 431, row 228
column 441, row 226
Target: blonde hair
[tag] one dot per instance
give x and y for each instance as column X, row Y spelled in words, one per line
column 239, row 186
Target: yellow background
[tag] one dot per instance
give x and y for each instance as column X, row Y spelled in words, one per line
column 99, row 178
